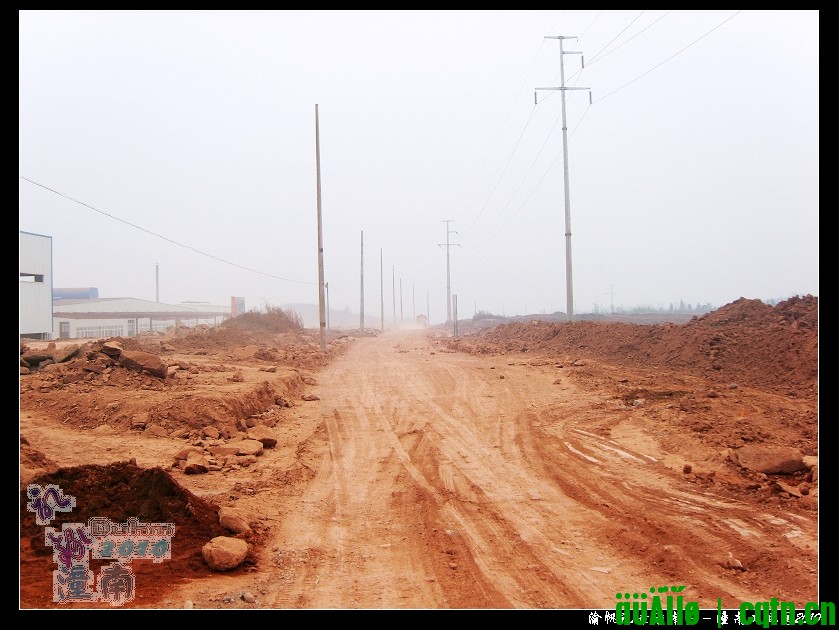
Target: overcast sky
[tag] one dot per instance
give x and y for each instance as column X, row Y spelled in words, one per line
column 694, row 172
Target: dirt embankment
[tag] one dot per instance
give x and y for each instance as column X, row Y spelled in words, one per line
column 745, row 342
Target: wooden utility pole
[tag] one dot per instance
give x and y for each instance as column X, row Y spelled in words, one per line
column 321, row 297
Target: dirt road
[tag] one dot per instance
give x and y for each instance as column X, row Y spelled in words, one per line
column 427, row 478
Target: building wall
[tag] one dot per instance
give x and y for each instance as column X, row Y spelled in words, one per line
column 67, row 328
column 35, row 287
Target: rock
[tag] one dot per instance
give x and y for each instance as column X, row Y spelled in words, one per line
column 112, row 348
column 144, row 362
column 166, row 347
column 248, row 597
column 557, row 381
column 210, row 432
column 36, row 358
column 273, row 368
column 184, row 453
column 188, row 604
column 770, row 459
column 810, row 461
column 263, row 435
column 157, row 430
column 234, row 520
column 224, row 449
column 248, row 447
column 310, row 397
column 780, row 486
column 687, row 468
column 196, row 464
column 804, row 488
column 66, row 353
column 223, row 553
column 579, row 363
column 25, row 370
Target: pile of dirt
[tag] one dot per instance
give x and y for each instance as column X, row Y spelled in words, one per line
column 746, row 342
column 118, row 492
column 272, row 320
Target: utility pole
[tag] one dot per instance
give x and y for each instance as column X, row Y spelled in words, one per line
column 569, row 290
column 447, row 245
column 401, row 310
column 394, row 296
column 361, row 329
column 382, row 285
column 454, row 307
column 327, row 305
column 321, row 304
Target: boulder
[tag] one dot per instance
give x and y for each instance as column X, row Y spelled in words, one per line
column 143, row 361
column 223, row 553
column 770, row 459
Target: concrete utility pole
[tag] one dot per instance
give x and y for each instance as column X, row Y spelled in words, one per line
column 361, row 328
column 569, row 290
column 447, row 245
column 321, row 299
column 427, row 310
column 454, row 307
column 382, row 285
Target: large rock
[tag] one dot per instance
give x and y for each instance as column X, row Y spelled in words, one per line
column 233, row 520
column 196, row 464
column 112, row 348
column 67, row 352
column 771, row 460
column 144, row 361
column 223, row 553
column 248, row 447
column 264, row 435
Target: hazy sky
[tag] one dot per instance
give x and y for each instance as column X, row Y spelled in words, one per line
column 694, row 172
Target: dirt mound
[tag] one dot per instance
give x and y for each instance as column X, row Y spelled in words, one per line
column 273, row 320
column 118, row 492
column 746, row 342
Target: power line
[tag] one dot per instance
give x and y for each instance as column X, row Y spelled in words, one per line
column 616, row 36
column 593, row 61
column 669, row 58
column 165, row 238
column 504, row 170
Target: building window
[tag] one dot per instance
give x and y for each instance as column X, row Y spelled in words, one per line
column 31, row 277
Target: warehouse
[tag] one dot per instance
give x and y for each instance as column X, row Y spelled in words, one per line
column 35, row 288
column 126, row 317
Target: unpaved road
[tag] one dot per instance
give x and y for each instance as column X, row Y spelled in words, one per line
column 426, row 478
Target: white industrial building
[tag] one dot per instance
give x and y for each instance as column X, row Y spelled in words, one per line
column 35, row 288
column 126, row 317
